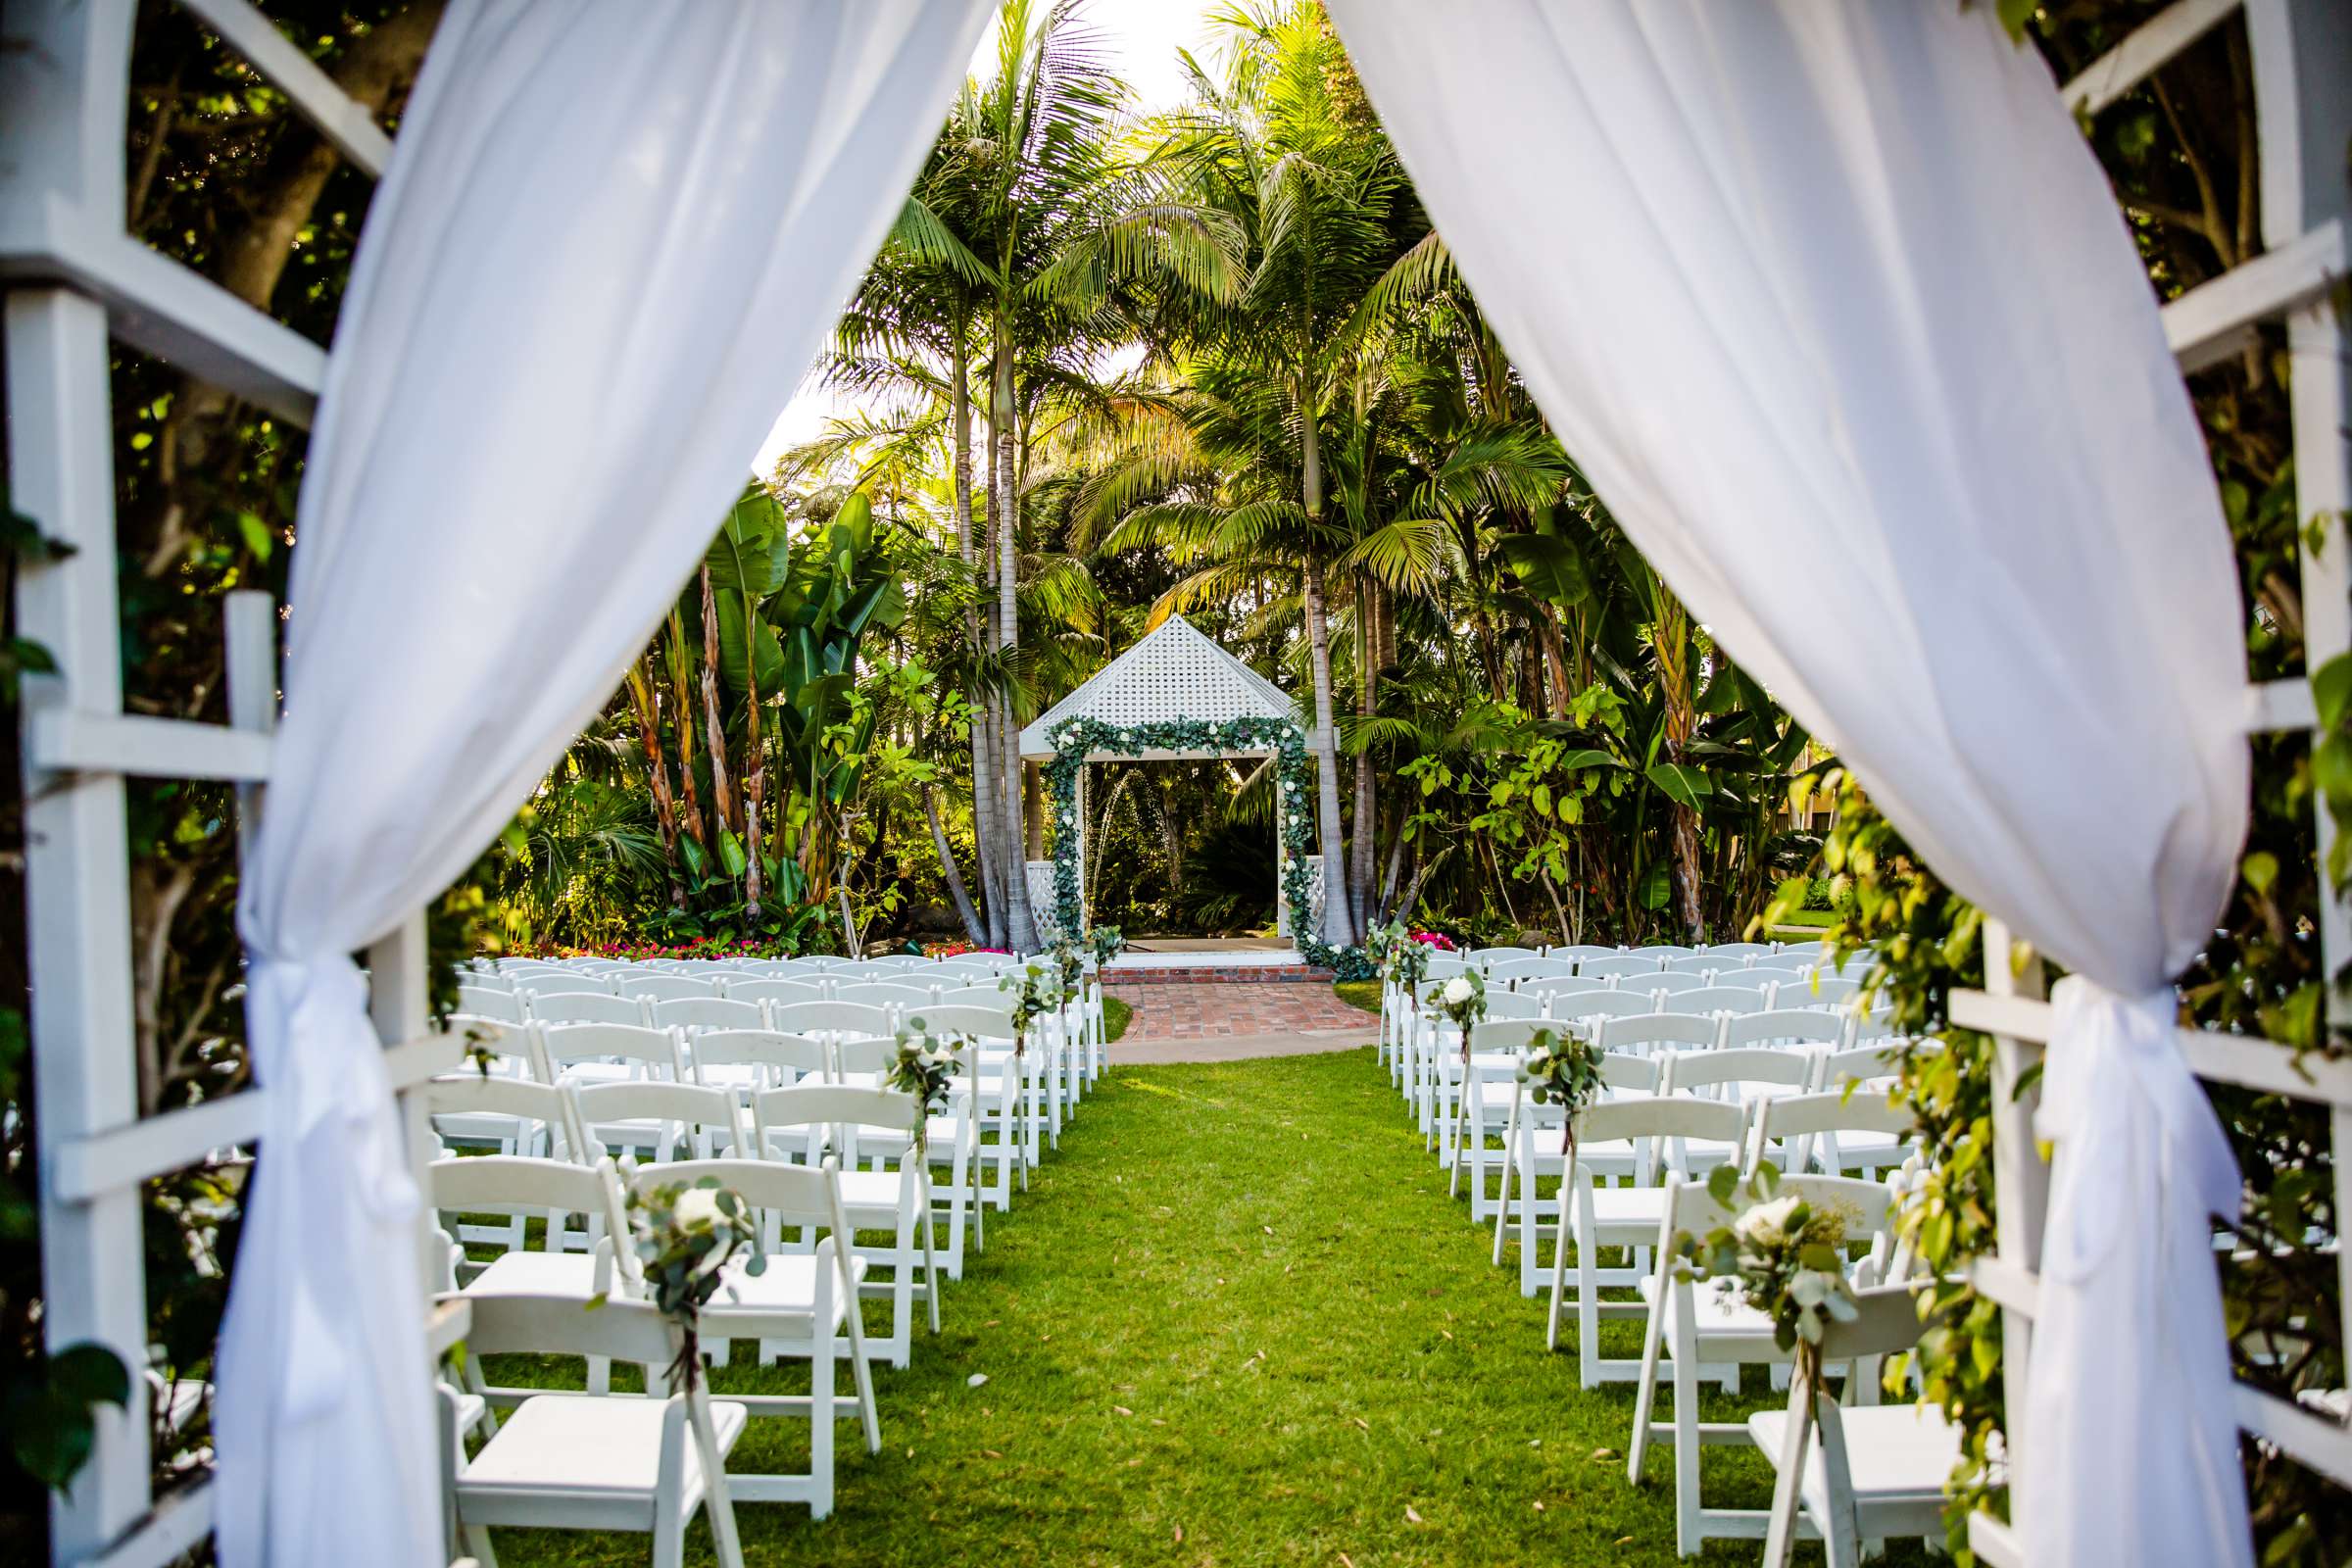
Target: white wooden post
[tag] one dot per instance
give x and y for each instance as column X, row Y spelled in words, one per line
column 61, row 106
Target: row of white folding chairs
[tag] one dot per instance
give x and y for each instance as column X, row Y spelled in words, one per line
column 743, row 1055
column 801, row 1304
column 717, row 981
column 1722, row 1058
column 1428, row 1066
column 570, row 996
column 743, row 1007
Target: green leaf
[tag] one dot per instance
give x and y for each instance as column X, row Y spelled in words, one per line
column 1658, row 887
column 91, row 1373
column 2332, row 690
column 1682, row 783
column 1722, row 1182
column 2260, row 869
column 257, row 535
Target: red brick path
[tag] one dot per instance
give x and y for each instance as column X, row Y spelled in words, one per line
column 1217, row 1010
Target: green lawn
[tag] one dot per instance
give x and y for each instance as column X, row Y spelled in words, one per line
column 1236, row 1321
column 1360, row 993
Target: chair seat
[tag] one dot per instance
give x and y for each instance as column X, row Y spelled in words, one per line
column 870, row 1192
column 537, row 1274
column 1621, row 1207
column 593, row 1446
column 1716, row 1307
column 788, row 1284
column 1898, row 1453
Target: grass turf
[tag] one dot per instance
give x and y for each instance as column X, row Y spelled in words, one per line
column 1363, row 995
column 1235, row 1321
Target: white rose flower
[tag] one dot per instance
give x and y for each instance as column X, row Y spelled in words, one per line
column 697, row 1208
column 1458, row 988
column 1766, row 1224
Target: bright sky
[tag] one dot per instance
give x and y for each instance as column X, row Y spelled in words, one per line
column 1142, row 37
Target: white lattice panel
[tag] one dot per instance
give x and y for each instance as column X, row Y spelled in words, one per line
column 1042, row 905
column 1314, row 894
column 1176, row 673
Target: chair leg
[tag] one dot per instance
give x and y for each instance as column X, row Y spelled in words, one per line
column 1645, row 1393
column 821, row 1421
column 1686, row 1504
column 477, row 1545
column 1559, row 1268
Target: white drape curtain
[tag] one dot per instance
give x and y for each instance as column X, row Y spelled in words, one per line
column 610, row 240
column 1835, row 309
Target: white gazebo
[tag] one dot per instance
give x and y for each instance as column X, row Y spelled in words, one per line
column 1175, row 675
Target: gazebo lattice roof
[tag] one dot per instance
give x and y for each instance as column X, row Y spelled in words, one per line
column 1175, row 672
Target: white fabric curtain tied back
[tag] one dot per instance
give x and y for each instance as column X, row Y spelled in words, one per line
column 1834, row 308
column 612, row 235
column 2139, row 1157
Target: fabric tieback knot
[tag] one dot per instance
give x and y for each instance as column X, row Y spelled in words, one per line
column 2132, row 1127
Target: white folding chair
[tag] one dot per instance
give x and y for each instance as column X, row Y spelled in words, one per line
column 668, row 1121
column 1720, row 998
column 1489, row 1071
column 1625, row 965
column 1866, row 1472
column 585, row 1006
column 870, row 1135
column 802, row 1306
column 762, row 989
column 709, row 1012
column 884, row 992
column 667, row 987
column 1534, row 1147
column 1593, row 1216
column 743, row 1060
column 488, row 1002
column 569, row 1462
column 1837, row 1132
column 1748, row 1074
column 524, row 1187
column 993, row 1086
column 1703, row 1327
column 1699, row 964
column 830, row 1020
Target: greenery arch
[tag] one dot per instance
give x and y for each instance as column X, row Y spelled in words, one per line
column 1077, row 739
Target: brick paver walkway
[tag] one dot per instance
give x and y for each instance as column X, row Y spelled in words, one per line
column 1210, row 1010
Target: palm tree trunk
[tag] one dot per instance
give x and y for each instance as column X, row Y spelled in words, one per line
column 657, row 775
column 1363, row 858
column 1339, row 929
column 951, row 873
column 722, row 797
column 755, row 773
column 1019, row 919
column 1670, row 637
column 681, row 712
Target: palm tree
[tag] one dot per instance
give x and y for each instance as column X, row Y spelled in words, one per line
column 1280, row 148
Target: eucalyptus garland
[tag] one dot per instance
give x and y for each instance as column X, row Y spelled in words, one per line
column 1076, row 738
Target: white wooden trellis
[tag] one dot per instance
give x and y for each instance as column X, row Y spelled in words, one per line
column 75, row 279
column 2302, row 65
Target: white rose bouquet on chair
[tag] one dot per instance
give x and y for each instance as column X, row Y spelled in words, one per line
column 1036, row 990
column 1561, row 1069
column 1463, row 1002
column 684, row 1237
column 924, row 1068
column 1786, row 1257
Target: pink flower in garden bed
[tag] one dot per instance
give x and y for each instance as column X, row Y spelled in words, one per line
column 1437, row 940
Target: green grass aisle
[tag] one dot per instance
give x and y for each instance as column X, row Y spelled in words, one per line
column 1236, row 1321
